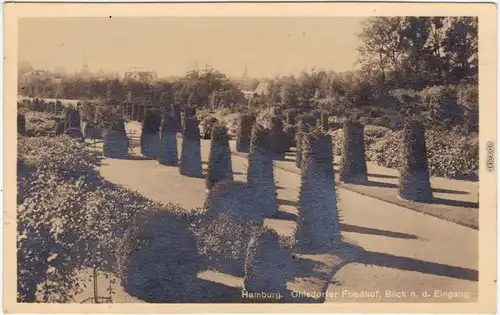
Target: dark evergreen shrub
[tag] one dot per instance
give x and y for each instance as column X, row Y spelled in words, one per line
column 353, row 167
column 150, row 136
column 168, row 152
column 234, row 197
column 219, row 160
column 267, row 264
column 324, row 121
column 278, row 137
column 60, row 127
column 21, row 124
column 414, row 182
column 115, row 140
column 72, row 119
column 158, row 259
column 260, row 174
column 291, row 115
column 303, row 127
column 135, row 112
column 318, row 218
column 91, row 131
column 223, row 238
column 187, row 113
column 244, row 132
column 142, row 113
column 176, row 112
column 290, row 135
column 191, row 151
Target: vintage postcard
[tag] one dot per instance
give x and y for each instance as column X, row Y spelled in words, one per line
column 209, row 157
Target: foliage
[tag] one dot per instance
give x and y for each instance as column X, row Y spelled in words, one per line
column 162, row 241
column 267, row 264
column 414, row 183
column 40, row 124
column 244, row 132
column 59, row 233
column 353, row 154
column 219, row 159
column 468, row 100
column 260, row 173
column 441, row 101
column 318, row 224
column 450, row 154
column 223, row 239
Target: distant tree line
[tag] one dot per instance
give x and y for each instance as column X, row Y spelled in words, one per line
column 199, row 88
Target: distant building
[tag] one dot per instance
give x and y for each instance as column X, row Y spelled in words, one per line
column 36, row 75
column 141, row 75
column 262, row 88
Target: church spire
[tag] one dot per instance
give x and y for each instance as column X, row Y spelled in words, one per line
column 245, row 72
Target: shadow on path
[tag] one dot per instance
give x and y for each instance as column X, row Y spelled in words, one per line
column 281, row 215
column 285, row 202
column 411, row 264
column 455, row 203
column 382, row 175
column 372, row 231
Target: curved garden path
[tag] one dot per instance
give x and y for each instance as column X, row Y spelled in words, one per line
column 403, row 249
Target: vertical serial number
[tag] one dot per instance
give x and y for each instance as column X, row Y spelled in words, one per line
column 490, row 157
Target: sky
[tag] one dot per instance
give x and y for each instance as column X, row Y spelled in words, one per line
column 171, row 45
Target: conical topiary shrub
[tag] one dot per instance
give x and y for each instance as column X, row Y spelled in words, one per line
column 290, row 135
column 60, row 127
column 187, row 112
column 21, row 124
column 115, row 140
column 353, row 167
column 278, row 137
column 236, row 198
column 318, row 223
column 267, row 264
column 72, row 119
column 142, row 113
column 150, row 136
column 219, row 160
column 260, row 174
column 291, row 115
column 414, row 182
column 135, row 112
column 301, row 130
column 91, row 131
column 158, row 260
column 168, row 153
column 324, row 121
column 244, row 132
column 176, row 112
column 72, row 127
column 191, row 150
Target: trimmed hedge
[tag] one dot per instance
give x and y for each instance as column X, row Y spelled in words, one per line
column 414, row 183
column 318, row 224
column 219, row 160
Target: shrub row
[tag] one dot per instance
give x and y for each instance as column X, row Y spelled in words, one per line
column 450, row 154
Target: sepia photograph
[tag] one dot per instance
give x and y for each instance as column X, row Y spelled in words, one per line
column 237, row 158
